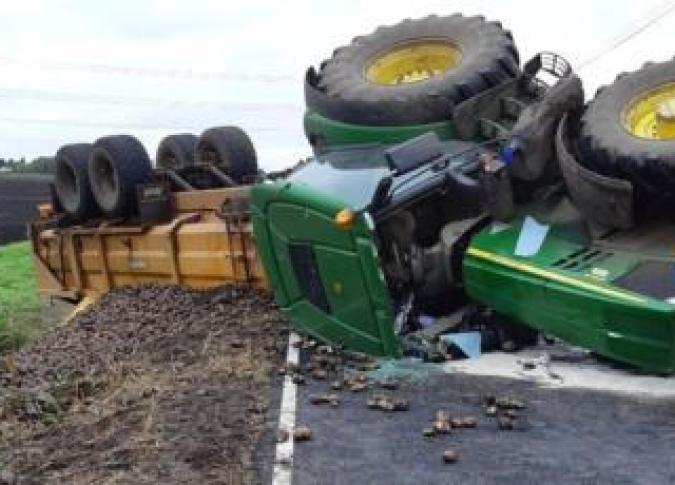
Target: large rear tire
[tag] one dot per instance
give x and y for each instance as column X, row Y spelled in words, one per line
column 413, row 72
column 176, row 151
column 73, row 190
column 230, row 149
column 116, row 166
column 627, row 132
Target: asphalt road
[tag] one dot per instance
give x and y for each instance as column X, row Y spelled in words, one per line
column 565, row 436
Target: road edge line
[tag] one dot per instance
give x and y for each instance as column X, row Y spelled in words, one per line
column 283, row 461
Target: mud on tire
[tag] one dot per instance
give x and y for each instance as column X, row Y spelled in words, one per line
column 479, row 54
column 608, row 145
column 116, row 166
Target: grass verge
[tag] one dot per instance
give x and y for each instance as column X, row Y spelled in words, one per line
column 19, row 302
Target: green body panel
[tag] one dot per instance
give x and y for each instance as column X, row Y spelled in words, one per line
column 360, row 315
column 566, row 289
column 336, row 133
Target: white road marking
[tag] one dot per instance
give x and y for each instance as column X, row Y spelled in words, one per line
column 283, row 462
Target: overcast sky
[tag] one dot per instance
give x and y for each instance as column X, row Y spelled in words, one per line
column 74, row 70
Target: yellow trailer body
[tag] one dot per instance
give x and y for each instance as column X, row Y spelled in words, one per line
column 207, row 243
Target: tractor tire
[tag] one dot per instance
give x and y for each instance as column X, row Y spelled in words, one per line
column 413, row 72
column 117, row 165
column 176, row 151
column 230, row 149
column 71, row 183
column 620, row 135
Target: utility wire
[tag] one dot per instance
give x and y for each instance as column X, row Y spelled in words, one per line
column 189, row 74
column 113, row 125
column 629, row 36
column 94, row 98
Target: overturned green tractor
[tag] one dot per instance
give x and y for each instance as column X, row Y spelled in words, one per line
column 449, row 178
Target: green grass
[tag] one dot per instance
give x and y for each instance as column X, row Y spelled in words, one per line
column 19, row 302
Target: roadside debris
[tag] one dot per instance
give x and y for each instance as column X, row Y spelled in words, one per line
column 317, row 399
column 442, row 422
column 298, row 379
column 302, row 433
column 387, row 403
column 337, row 385
column 505, row 422
column 464, row 422
column 450, row 456
column 389, row 383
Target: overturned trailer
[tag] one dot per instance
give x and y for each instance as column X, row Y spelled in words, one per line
column 206, row 243
column 116, row 221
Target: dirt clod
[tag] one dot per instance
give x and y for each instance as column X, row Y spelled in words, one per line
column 504, row 422
column 441, row 423
column 320, row 374
column 450, row 456
column 390, row 384
column 509, row 403
column 302, row 433
column 336, row 385
column 298, row 379
column 318, row 399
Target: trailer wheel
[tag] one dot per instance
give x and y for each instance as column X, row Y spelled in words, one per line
column 176, row 151
column 116, row 166
column 413, row 72
column 230, row 149
column 72, row 182
column 628, row 132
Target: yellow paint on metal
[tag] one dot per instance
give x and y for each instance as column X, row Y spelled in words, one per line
column 556, row 277
column 202, row 247
column 83, row 305
column 413, row 62
column 651, row 115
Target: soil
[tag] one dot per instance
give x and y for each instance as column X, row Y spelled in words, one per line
column 150, row 385
column 19, row 197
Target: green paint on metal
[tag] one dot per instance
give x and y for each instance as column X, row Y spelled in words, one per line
column 360, row 314
column 576, row 302
column 334, row 133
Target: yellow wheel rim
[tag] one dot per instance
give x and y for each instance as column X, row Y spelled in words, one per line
column 652, row 114
column 413, row 62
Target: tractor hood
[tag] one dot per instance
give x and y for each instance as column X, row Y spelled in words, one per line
column 326, row 280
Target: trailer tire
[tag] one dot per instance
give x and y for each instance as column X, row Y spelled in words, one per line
column 619, row 139
column 176, row 151
column 230, row 149
column 116, row 166
column 71, row 182
column 413, row 72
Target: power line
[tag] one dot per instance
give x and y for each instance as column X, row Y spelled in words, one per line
column 95, row 98
column 629, row 36
column 115, row 125
column 135, row 71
